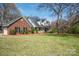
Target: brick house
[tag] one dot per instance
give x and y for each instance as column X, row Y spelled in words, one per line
column 18, row 24
column 23, row 23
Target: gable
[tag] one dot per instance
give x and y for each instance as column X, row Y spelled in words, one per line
column 13, row 22
column 19, row 22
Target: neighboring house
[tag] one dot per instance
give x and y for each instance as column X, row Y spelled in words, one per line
column 23, row 23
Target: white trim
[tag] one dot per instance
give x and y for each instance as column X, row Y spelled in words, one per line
column 32, row 23
column 5, row 31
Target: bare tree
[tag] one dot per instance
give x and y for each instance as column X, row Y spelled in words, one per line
column 9, row 12
column 73, row 9
column 72, row 15
column 56, row 9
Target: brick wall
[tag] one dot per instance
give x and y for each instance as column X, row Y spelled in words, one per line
column 20, row 23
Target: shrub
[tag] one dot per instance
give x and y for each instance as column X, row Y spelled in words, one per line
column 53, row 30
column 21, row 32
column 36, row 29
column 26, row 32
column 12, row 32
column 33, row 30
column 75, row 29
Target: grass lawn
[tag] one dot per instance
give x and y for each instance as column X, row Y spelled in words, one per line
column 39, row 45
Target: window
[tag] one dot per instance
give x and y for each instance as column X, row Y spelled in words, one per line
column 24, row 29
column 21, row 29
column 17, row 29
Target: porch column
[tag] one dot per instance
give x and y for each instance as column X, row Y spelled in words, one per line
column 5, row 31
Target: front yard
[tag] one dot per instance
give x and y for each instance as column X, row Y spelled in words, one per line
column 39, row 45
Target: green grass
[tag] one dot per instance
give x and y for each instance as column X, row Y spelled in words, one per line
column 39, row 45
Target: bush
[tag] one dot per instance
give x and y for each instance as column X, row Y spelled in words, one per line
column 75, row 29
column 33, row 30
column 21, row 32
column 26, row 32
column 53, row 30
column 36, row 29
column 12, row 32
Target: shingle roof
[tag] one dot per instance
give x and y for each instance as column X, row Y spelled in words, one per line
column 32, row 22
column 10, row 22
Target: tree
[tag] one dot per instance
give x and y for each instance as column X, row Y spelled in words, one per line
column 56, row 9
column 72, row 22
column 34, row 18
column 8, row 12
column 75, row 29
column 73, row 8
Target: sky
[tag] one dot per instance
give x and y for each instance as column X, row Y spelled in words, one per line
column 31, row 9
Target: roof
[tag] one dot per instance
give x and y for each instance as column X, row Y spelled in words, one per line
column 32, row 22
column 13, row 21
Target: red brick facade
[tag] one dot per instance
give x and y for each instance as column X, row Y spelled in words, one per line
column 19, row 23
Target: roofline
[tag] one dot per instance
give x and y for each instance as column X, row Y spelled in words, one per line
column 24, row 18
column 27, row 21
column 16, row 21
column 12, row 22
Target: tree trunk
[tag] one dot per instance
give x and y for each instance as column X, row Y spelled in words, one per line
column 57, row 24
